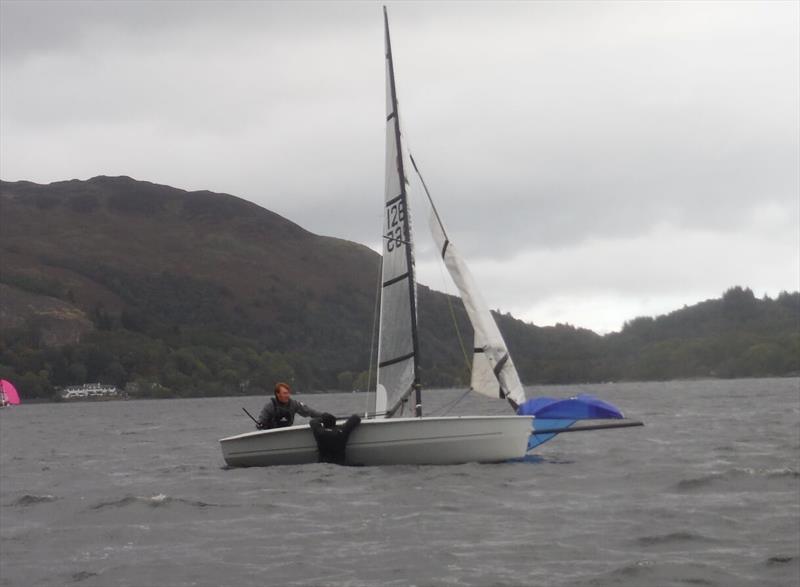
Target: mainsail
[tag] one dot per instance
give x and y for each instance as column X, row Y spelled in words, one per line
column 398, row 348
column 8, row 393
column 493, row 371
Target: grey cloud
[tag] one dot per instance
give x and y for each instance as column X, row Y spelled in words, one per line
column 32, row 28
column 540, row 127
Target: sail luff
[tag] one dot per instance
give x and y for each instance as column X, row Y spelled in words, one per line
column 398, row 373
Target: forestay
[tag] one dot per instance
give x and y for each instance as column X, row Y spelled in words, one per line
column 397, row 347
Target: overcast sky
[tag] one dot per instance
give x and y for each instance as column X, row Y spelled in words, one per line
column 593, row 161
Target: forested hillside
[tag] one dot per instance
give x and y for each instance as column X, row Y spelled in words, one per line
column 167, row 292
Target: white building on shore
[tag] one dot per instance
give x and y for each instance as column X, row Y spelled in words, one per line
column 90, row 391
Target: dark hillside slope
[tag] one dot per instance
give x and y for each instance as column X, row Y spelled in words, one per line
column 195, row 291
column 157, row 260
column 174, row 292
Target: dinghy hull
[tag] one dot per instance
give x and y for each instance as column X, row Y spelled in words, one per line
column 394, row 441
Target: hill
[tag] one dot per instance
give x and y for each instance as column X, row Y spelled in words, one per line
column 173, row 292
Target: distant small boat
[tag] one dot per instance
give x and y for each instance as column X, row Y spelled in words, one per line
column 8, row 394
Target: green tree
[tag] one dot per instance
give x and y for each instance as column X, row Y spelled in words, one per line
column 362, row 382
column 345, row 381
column 77, row 373
column 33, row 385
column 115, row 374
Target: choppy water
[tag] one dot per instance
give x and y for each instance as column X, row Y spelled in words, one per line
column 136, row 493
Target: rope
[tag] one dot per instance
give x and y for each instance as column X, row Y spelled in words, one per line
column 464, row 354
column 444, row 281
column 447, row 408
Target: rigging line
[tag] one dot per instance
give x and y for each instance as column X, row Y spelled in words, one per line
column 401, row 403
column 449, row 296
column 447, row 408
column 427, row 193
column 451, row 307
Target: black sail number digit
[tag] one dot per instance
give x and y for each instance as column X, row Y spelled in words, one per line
column 395, row 220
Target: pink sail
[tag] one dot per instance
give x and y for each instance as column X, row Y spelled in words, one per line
column 9, row 392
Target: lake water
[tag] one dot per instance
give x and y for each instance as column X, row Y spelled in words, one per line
column 136, row 493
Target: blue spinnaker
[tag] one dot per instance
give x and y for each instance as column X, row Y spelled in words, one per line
column 581, row 407
column 553, row 413
column 535, row 440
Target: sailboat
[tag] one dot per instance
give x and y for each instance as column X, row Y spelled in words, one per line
column 8, row 394
column 398, row 432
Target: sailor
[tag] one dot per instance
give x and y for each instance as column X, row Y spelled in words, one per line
column 332, row 439
column 280, row 410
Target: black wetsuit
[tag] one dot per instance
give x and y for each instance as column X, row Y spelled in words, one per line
column 278, row 415
column 331, row 442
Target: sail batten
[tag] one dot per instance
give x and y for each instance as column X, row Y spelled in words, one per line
column 396, row 279
column 388, row 362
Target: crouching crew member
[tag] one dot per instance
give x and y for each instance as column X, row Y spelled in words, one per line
column 332, row 439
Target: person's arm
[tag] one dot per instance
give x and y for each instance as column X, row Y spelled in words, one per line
column 351, row 424
column 316, row 427
column 307, row 411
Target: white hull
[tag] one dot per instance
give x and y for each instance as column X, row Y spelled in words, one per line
column 394, row 441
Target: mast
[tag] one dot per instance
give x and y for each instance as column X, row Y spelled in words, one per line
column 398, row 224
